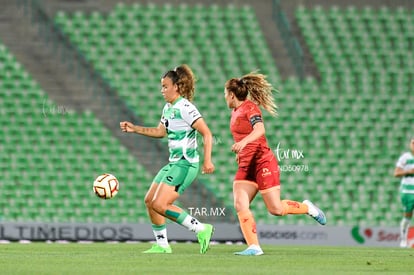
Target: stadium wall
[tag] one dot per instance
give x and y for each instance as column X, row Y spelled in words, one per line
column 224, row 232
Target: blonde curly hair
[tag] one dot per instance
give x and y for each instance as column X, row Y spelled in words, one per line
column 255, row 87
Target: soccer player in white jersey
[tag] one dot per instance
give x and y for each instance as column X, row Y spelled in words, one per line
column 180, row 122
column 405, row 170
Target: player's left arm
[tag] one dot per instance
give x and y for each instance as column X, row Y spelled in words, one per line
column 201, row 126
column 258, row 131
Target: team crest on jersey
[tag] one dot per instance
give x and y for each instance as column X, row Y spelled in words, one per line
column 237, row 121
column 172, row 115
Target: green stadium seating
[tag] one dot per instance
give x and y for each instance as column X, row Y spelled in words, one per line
column 50, row 161
column 348, row 125
column 129, row 49
column 365, row 48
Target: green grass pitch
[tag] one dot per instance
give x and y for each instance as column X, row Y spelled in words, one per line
column 126, row 258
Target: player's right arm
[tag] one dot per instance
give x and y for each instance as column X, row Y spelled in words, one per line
column 155, row 132
column 399, row 168
column 400, row 172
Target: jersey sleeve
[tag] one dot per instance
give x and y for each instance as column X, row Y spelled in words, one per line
column 401, row 161
column 190, row 113
column 254, row 114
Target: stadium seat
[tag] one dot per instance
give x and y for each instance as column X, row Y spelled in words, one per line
column 360, row 51
column 345, row 125
column 47, row 162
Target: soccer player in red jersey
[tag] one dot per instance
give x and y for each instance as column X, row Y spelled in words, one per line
column 258, row 169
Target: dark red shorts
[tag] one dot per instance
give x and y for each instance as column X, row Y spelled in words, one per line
column 264, row 171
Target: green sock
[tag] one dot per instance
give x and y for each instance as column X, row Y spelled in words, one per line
column 158, row 227
column 172, row 214
column 181, row 217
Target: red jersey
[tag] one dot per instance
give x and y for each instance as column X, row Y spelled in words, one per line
column 242, row 121
column 257, row 162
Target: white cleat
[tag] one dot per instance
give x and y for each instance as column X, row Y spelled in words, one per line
column 315, row 212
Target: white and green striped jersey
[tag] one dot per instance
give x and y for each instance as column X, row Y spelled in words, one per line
column 406, row 162
column 178, row 119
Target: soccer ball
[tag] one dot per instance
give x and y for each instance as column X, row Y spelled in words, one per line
column 106, row 186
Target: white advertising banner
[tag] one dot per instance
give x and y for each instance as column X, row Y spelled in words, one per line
column 14, row 231
column 329, row 235
column 268, row 234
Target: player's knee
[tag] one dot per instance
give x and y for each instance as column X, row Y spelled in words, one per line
column 240, row 205
column 158, row 206
column 148, row 202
